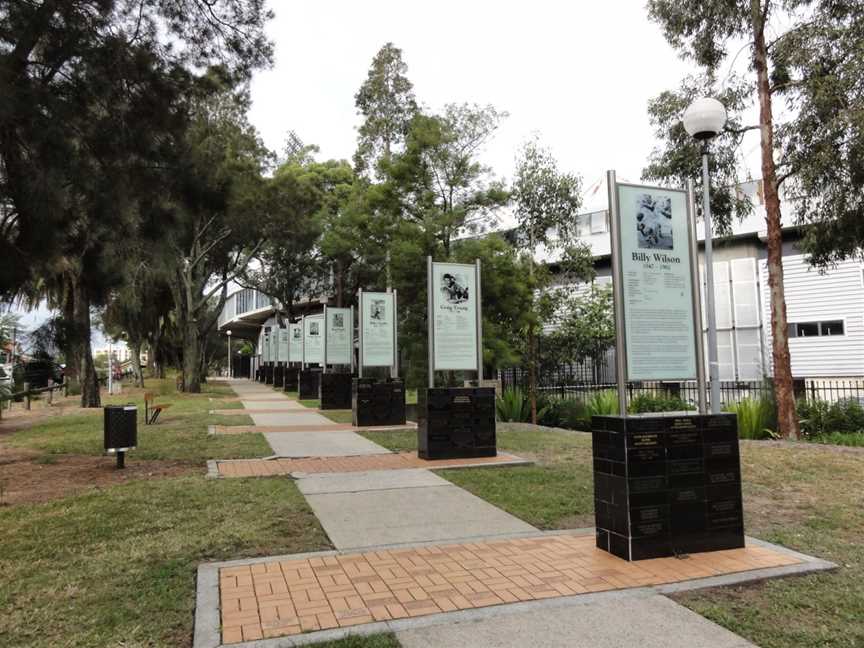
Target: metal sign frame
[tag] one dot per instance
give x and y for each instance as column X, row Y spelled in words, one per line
column 478, row 319
column 361, row 355
column 621, row 370
column 326, row 327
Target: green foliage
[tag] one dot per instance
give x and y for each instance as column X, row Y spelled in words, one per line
column 386, row 101
column 820, row 418
column 645, row 402
column 570, row 413
column 602, row 403
column 756, row 417
column 513, row 406
column 586, row 329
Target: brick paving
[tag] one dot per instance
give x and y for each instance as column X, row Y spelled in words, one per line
column 286, row 597
column 354, row 463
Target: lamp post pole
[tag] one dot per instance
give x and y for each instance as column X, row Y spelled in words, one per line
column 230, row 363
column 710, row 311
column 703, row 120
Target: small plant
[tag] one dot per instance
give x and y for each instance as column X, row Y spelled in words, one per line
column 755, row 418
column 514, row 406
column 820, row 418
column 570, row 413
column 602, row 403
column 645, row 402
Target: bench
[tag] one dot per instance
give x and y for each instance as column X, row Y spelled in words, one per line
column 151, row 409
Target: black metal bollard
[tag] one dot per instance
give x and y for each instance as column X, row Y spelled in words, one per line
column 120, row 431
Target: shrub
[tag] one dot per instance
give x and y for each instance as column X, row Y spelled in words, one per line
column 755, row 417
column 570, row 413
column 642, row 403
column 819, row 418
column 603, row 403
column 514, row 406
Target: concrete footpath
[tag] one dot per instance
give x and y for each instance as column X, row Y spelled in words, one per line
column 439, row 567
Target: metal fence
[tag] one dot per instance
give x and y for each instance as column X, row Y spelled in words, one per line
column 575, row 381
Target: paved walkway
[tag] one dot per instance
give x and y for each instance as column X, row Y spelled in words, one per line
column 448, row 554
column 285, row 597
column 350, row 464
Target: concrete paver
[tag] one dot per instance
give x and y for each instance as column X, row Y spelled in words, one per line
column 651, row 621
column 368, row 517
column 317, row 484
column 319, row 444
column 299, row 466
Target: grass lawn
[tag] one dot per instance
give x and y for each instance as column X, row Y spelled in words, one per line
column 117, row 566
column 339, row 416
column 808, row 498
column 180, row 433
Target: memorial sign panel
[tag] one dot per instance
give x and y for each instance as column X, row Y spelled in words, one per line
column 295, row 343
column 283, row 345
column 340, row 335
column 266, row 348
column 313, row 339
column 656, row 277
column 454, row 316
column 377, row 317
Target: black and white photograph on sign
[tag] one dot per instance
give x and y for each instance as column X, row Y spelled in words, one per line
column 338, row 320
column 376, row 311
column 314, row 328
column 654, row 222
column 454, row 287
column 297, row 333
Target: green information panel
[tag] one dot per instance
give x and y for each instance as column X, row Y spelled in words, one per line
column 340, row 335
column 657, row 284
column 378, row 320
column 295, row 343
column 313, row 339
column 454, row 313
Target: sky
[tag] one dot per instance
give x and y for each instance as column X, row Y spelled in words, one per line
column 578, row 74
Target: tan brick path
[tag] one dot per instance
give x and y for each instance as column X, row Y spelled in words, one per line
column 288, row 597
column 356, row 463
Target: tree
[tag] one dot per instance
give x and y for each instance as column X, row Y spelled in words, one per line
column 72, row 172
column 586, row 328
column 386, row 102
column 546, row 203
column 220, row 203
column 702, row 32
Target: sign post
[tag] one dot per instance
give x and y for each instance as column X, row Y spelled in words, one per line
column 455, row 318
column 656, row 286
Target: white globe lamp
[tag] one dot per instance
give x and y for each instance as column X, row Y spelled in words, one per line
column 704, row 118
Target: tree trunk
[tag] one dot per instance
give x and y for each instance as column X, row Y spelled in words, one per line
column 787, row 419
column 135, row 348
column 83, row 352
column 191, row 359
column 532, row 373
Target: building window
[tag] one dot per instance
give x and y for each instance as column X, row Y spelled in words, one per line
column 599, row 223
column 816, row 329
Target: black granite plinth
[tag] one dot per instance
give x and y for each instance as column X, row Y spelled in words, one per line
column 268, row 374
column 457, row 422
column 278, row 375
column 309, row 384
column 667, row 484
column 335, row 392
column 375, row 403
column 291, row 379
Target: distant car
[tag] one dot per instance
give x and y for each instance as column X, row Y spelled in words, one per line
column 5, row 376
column 37, row 373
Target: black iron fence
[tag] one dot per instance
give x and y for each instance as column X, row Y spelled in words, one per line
column 575, row 381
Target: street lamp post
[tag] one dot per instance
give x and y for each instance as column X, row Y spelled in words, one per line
column 230, row 363
column 703, row 120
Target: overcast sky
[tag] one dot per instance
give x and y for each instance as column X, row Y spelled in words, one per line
column 577, row 73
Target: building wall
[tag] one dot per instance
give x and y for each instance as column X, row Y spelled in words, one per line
column 811, row 296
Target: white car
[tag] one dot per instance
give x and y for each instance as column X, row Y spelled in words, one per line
column 6, row 376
